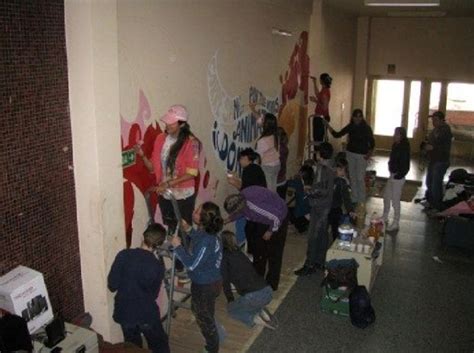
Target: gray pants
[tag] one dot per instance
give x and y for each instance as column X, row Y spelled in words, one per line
column 357, row 166
column 317, row 237
column 271, row 174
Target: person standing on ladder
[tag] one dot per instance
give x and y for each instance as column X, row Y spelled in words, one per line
column 322, row 98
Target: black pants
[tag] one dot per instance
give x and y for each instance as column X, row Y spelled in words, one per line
column 154, row 334
column 203, row 302
column 334, row 219
column 186, row 208
column 268, row 254
column 281, row 190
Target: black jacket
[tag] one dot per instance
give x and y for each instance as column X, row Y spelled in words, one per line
column 361, row 139
column 399, row 161
column 237, row 269
column 253, row 175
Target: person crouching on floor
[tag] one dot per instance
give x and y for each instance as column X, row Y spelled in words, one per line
column 204, row 268
column 136, row 275
column 320, row 200
column 254, row 292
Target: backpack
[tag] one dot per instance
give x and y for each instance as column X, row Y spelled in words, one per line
column 341, row 273
column 361, row 311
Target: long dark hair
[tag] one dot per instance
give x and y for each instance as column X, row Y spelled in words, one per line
column 228, row 241
column 211, row 219
column 270, row 127
column 326, row 79
column 183, row 135
column 403, row 134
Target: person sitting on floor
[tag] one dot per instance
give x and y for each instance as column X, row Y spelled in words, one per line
column 254, row 292
column 136, row 275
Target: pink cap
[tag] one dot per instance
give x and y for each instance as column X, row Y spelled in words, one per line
column 174, row 114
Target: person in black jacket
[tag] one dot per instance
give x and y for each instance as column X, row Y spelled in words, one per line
column 254, row 292
column 136, row 275
column 252, row 173
column 398, row 165
column 341, row 199
column 360, row 145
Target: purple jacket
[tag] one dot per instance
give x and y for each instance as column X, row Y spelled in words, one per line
column 263, row 206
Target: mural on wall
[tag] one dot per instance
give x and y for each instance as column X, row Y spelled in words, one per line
column 138, row 179
column 235, row 126
column 294, row 93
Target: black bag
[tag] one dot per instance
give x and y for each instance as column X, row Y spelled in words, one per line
column 361, row 311
column 458, row 232
column 341, row 273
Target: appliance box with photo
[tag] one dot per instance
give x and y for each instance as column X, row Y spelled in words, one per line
column 23, row 293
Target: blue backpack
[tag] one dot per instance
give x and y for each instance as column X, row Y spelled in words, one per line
column 361, row 311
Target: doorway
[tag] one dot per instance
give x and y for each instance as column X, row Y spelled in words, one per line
column 393, row 103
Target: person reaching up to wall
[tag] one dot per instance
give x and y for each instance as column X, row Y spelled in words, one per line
column 267, row 147
column 203, row 264
column 322, row 98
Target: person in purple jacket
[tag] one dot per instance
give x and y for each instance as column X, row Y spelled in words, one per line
column 260, row 205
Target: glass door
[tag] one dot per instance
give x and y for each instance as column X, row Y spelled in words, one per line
column 393, row 103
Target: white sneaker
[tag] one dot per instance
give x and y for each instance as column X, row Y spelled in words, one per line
column 393, row 227
column 257, row 320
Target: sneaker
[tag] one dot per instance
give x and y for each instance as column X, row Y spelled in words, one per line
column 265, row 315
column 393, row 227
column 305, row 270
column 257, row 320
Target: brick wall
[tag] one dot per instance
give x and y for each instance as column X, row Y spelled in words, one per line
column 38, row 225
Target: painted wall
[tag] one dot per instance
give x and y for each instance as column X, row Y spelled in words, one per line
column 332, row 50
column 218, row 58
column 439, row 48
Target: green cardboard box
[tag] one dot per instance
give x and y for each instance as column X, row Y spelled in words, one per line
column 335, row 301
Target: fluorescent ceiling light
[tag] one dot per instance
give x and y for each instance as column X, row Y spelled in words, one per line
column 416, row 14
column 420, row 3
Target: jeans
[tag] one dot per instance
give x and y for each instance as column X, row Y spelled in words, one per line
column 392, row 194
column 434, row 183
column 247, row 306
column 357, row 166
column 154, row 334
column 203, row 302
column 317, row 237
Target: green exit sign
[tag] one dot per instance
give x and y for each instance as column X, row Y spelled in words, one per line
column 129, row 158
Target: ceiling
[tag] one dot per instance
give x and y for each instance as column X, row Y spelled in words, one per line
column 451, row 8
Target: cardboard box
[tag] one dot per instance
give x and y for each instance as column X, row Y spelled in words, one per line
column 77, row 339
column 331, row 304
column 23, row 293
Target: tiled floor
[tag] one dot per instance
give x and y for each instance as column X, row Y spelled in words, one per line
column 421, row 304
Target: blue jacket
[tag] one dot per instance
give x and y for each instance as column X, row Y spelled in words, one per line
column 136, row 276
column 203, row 260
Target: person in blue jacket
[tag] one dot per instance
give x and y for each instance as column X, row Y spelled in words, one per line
column 136, row 275
column 203, row 263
